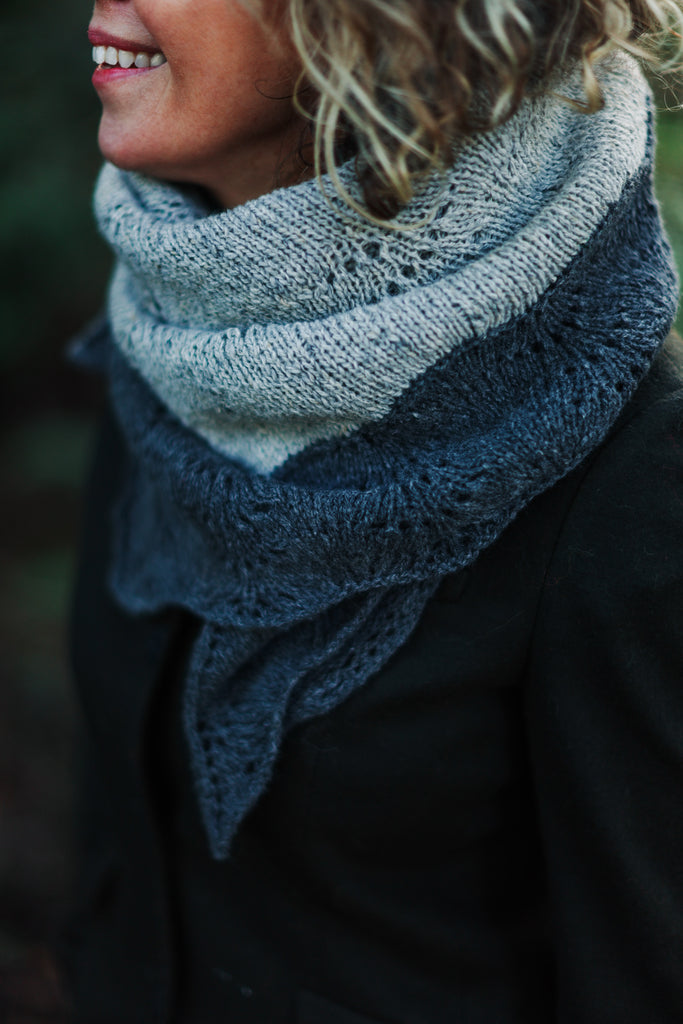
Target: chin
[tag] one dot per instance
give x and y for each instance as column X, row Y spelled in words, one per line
column 117, row 150
column 127, row 154
column 124, row 150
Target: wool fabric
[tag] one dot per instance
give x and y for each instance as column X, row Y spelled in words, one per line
column 324, row 417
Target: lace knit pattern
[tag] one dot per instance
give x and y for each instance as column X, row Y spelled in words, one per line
column 310, row 557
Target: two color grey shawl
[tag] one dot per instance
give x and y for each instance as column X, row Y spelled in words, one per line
column 325, row 417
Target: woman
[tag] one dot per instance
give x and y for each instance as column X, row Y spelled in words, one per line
column 379, row 650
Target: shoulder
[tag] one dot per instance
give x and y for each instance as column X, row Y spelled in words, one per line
column 619, row 514
column 612, row 599
column 630, row 499
column 604, row 714
column 654, row 416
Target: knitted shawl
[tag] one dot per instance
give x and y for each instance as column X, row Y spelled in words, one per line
column 325, row 417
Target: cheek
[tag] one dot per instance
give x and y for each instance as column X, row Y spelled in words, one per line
column 234, row 94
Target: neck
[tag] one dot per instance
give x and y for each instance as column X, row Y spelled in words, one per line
column 273, row 163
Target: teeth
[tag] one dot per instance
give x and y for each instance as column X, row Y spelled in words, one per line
column 126, row 58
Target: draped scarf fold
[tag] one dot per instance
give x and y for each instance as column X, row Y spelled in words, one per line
column 325, row 417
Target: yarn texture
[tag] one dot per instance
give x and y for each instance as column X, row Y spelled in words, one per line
column 325, row 417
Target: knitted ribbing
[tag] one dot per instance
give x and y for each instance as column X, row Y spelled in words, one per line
column 308, row 577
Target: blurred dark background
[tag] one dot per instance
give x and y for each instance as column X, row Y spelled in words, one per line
column 53, row 273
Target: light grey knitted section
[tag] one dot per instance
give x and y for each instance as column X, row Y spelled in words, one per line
column 289, row 319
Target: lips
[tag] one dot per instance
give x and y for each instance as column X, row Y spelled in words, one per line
column 99, row 37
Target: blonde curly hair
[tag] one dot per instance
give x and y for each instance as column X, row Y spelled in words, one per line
column 399, row 81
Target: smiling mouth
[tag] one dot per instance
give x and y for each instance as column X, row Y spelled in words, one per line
column 110, row 57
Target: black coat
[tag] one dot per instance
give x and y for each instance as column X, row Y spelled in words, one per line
column 490, row 831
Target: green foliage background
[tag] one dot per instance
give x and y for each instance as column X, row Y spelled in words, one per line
column 53, row 270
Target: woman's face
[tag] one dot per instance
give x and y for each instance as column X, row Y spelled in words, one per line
column 217, row 112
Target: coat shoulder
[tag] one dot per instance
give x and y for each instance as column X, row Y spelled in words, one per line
column 658, row 402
